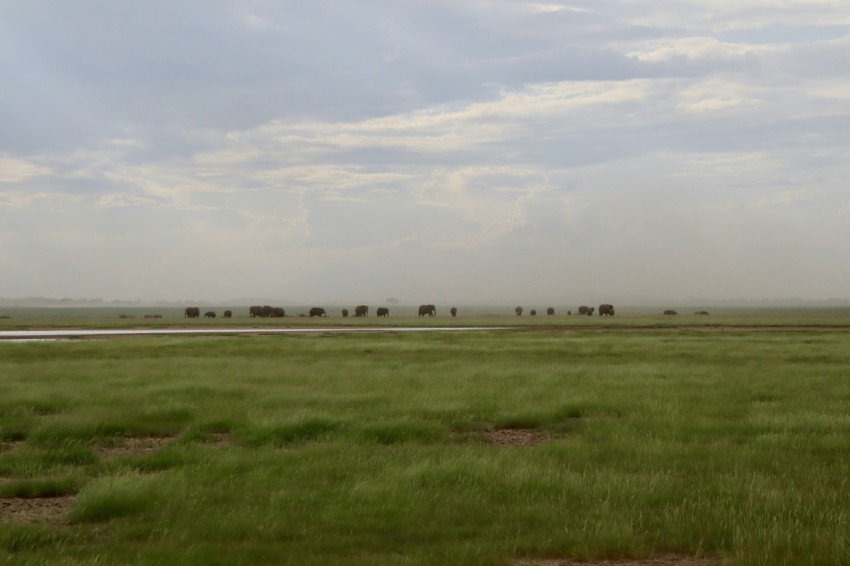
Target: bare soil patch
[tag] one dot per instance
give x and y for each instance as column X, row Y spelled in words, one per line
column 36, row 510
column 657, row 560
column 515, row 437
column 221, row 440
column 11, row 445
column 133, row 446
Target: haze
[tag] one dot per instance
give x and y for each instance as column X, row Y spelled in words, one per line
column 474, row 152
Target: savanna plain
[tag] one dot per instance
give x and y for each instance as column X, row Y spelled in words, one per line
column 684, row 440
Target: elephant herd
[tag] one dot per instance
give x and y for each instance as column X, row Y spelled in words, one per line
column 266, row 312
column 195, row 312
column 363, row 311
column 604, row 310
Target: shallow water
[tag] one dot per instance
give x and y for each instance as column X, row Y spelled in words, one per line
column 64, row 334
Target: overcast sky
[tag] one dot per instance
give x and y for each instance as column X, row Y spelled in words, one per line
column 483, row 151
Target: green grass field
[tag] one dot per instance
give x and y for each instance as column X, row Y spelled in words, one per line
column 12, row 318
column 488, row 448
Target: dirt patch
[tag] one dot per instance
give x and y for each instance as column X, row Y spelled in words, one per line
column 221, row 440
column 12, row 445
column 37, row 510
column 657, row 560
column 514, row 437
column 133, row 446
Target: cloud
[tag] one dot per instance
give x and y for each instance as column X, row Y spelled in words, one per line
column 525, row 148
column 16, row 170
column 697, row 48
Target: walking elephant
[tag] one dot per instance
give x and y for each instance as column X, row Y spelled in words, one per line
column 361, row 310
column 383, row 312
column 427, row 310
column 192, row 312
column 209, row 314
column 317, row 311
column 606, row 310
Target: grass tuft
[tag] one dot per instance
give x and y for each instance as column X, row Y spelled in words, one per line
column 399, row 431
column 113, row 497
column 294, row 431
column 156, row 462
column 40, row 487
column 15, row 539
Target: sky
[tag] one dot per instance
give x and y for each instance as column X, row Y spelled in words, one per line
column 484, row 151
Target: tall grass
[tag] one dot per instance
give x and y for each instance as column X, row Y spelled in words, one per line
column 372, row 449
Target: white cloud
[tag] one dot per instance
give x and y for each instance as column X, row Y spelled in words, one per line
column 122, row 200
column 16, row 170
column 696, row 48
column 719, row 94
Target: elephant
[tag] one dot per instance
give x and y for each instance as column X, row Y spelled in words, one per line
column 192, row 312
column 701, row 312
column 429, row 310
column 518, row 311
column 606, row 310
column 344, row 313
column 590, row 311
column 278, row 312
column 533, row 312
column 361, row 310
column 255, row 311
column 569, row 313
column 228, row 314
column 670, row 312
column 583, row 309
column 383, row 311
column 317, row 311
column 550, row 311
column 209, row 314
column 453, row 311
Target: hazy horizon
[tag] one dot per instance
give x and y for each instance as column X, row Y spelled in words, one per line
column 486, row 152
column 562, row 305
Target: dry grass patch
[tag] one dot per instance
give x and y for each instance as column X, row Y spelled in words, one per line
column 515, row 437
column 10, row 445
column 133, row 446
column 221, row 440
column 35, row 510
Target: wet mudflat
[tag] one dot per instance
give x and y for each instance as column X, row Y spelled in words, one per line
column 55, row 334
